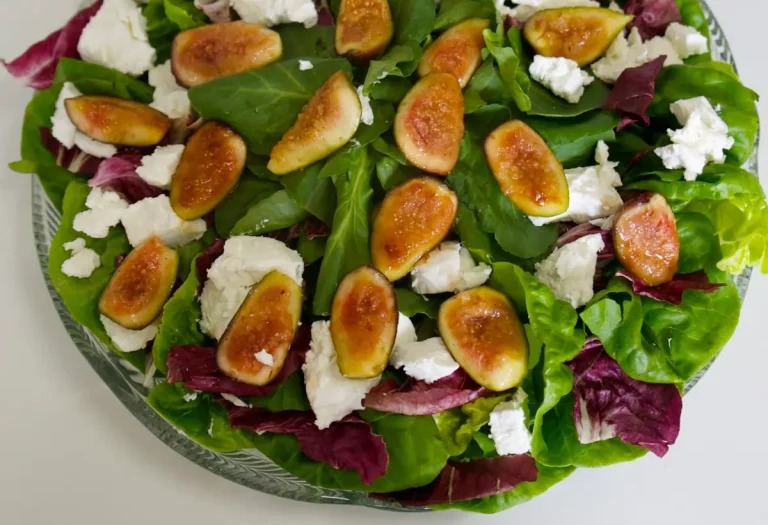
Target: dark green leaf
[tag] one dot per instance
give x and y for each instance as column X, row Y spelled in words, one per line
column 249, row 190
column 311, row 251
column 274, row 213
column 699, row 246
column 314, row 194
column 413, row 20
column 411, row 304
column 184, row 14
column 454, row 11
column 300, row 42
column 400, row 61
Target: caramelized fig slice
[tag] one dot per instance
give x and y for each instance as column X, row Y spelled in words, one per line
column 458, row 51
column 138, row 290
column 483, row 333
column 364, row 323
column 256, row 343
column 582, row 34
column 645, row 239
column 328, row 121
column 414, row 217
column 219, row 50
column 527, row 171
column 363, row 29
column 210, row 167
column 429, row 123
column 117, row 121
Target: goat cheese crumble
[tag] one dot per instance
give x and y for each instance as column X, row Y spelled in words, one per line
column 155, row 216
column 129, row 340
column 273, row 12
column 158, row 168
column 448, row 268
column 508, row 428
column 305, row 65
column 625, row 53
column 570, row 271
column 525, row 9
column 365, row 102
column 686, row 40
column 83, row 261
column 169, row 97
column 562, row 76
column 105, row 210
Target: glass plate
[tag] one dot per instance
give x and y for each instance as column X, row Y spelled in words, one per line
column 249, row 468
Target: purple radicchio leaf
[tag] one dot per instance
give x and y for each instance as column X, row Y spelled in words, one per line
column 570, row 233
column 464, row 481
column 652, row 16
column 349, row 444
column 324, row 15
column 119, row 174
column 206, row 259
column 36, row 67
column 671, row 292
column 510, row 22
column 633, row 93
column 417, row 398
column 196, row 367
column 609, row 403
column 311, row 228
column 218, row 11
column 73, row 159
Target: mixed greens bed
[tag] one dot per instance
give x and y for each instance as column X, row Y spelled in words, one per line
column 441, row 252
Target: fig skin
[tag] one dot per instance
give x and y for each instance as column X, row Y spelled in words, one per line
column 582, row 34
column 267, row 320
column 141, row 285
column 458, row 51
column 213, row 51
column 413, row 218
column 364, row 323
column 527, row 171
column 328, row 121
column 116, row 121
column 210, row 167
column 485, row 336
column 363, row 29
column 645, row 239
column 429, row 123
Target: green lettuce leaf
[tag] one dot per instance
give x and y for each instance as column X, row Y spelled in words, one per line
column 515, row 80
column 290, row 395
column 458, row 426
column 160, row 29
column 184, row 14
column 454, row 11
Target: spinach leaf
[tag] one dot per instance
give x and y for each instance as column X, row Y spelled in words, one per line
column 390, row 89
column 573, row 140
column 391, row 173
column 314, row 194
column 93, row 79
column 400, row 61
column 274, row 213
column 300, row 42
column 288, row 396
column 311, row 251
column 480, row 244
column 191, row 250
column 383, row 117
column 478, row 190
column 413, row 20
column 454, row 11
column 348, row 245
column 515, row 81
column 249, row 190
column 184, row 14
column 411, row 304
column 262, row 104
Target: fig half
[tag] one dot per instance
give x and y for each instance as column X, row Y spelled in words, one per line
column 142, row 284
column 219, row 50
column 363, row 29
column 645, row 239
column 364, row 323
column 483, row 333
column 527, row 171
column 429, row 123
column 210, row 167
column 117, row 121
column 458, row 51
column 582, row 34
column 328, row 121
column 414, row 217
column 266, row 323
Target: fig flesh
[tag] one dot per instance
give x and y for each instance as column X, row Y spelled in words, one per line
column 645, row 239
column 364, row 323
column 219, row 50
column 527, row 171
column 210, row 167
column 429, row 124
column 117, row 121
column 363, row 29
column 458, row 51
column 141, row 285
column 582, row 34
column 414, row 217
column 254, row 346
column 328, row 121
column 484, row 334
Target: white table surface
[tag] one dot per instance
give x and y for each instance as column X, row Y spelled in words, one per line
column 70, row 453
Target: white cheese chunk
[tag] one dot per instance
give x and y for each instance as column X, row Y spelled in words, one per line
column 562, row 76
column 169, row 96
column 305, row 65
column 246, row 261
column 527, row 8
column 625, row 53
column 448, row 268
column 155, row 216
column 570, row 271
column 613, row 6
column 116, row 37
column 331, row 395
column 406, row 332
column 235, row 400
column 83, row 261
column 686, row 40
column 273, row 12
column 592, row 191
column 427, row 360
column 508, row 427
column 365, row 102
column 264, row 357
column 105, row 210
column 158, row 168
column 703, row 138
column 190, row 396
column 64, row 130
column 129, row 340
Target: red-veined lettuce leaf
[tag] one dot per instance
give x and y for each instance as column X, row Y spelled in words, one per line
column 652, row 16
column 671, row 292
column 633, row 92
column 72, row 159
column 119, row 174
column 206, row 259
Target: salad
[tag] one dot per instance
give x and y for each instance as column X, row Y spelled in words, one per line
column 443, row 253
